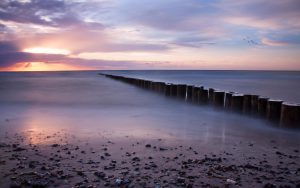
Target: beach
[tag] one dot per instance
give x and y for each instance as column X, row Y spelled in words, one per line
column 79, row 129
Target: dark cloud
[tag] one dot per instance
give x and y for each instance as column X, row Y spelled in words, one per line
column 2, row 27
column 8, row 46
column 10, row 58
column 42, row 12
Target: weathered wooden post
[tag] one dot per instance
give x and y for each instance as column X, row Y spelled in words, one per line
column 290, row 115
column 203, row 95
column 237, row 102
column 228, row 97
column 195, row 94
column 218, row 99
column 168, row 89
column 136, row 82
column 153, row 86
column 262, row 106
column 142, row 83
column 181, row 91
column 162, row 87
column 189, row 92
column 211, row 95
column 247, row 104
column 157, row 87
column 173, row 90
column 254, row 104
column 274, row 110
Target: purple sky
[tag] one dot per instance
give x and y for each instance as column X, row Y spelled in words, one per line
column 144, row 34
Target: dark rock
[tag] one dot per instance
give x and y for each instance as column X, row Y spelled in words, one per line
column 136, row 159
column 80, row 173
column 100, row 174
column 148, row 145
column 269, row 185
column 279, row 153
column 19, row 149
column 180, row 180
column 3, row 145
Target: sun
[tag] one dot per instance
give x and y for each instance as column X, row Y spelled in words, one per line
column 43, row 50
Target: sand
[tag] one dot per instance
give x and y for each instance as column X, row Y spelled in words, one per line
column 62, row 159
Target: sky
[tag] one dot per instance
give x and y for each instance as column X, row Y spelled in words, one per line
column 149, row 34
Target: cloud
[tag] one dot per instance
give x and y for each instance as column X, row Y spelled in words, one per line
column 22, row 59
column 194, row 41
column 34, row 11
column 7, row 46
column 265, row 15
column 270, row 42
column 10, row 58
column 282, row 40
column 171, row 15
column 143, row 27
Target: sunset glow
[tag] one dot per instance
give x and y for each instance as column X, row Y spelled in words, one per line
column 171, row 34
column 42, row 50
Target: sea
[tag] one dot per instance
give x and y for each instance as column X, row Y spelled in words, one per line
column 87, row 104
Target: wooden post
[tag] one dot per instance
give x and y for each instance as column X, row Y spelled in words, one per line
column 228, row 97
column 254, row 104
column 158, row 87
column 203, row 95
column 247, row 104
column 173, row 90
column 211, row 95
column 237, row 102
column 290, row 115
column 262, row 106
column 195, row 94
column 218, row 99
column 189, row 92
column 168, row 89
column 162, row 87
column 274, row 110
column 181, row 91
column 154, row 86
column 142, row 83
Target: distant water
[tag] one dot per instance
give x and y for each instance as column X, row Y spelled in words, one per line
column 85, row 103
column 283, row 85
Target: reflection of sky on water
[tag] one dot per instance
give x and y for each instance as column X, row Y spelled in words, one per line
column 96, row 107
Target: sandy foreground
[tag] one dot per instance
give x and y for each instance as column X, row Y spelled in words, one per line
column 61, row 159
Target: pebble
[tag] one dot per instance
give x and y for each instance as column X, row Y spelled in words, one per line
column 231, row 181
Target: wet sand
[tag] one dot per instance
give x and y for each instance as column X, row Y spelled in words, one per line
column 122, row 136
column 64, row 160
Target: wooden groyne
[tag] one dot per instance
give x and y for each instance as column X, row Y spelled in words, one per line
column 276, row 111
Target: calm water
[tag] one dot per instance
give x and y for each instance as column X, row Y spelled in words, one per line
column 89, row 105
